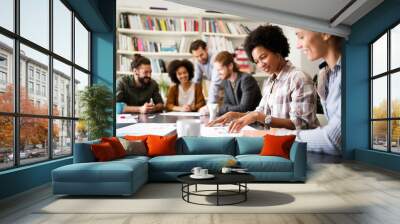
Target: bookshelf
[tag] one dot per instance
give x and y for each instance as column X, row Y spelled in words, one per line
column 167, row 34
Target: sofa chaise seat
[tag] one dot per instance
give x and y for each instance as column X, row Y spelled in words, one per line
column 119, row 177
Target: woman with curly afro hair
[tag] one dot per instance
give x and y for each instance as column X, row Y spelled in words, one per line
column 185, row 95
column 289, row 96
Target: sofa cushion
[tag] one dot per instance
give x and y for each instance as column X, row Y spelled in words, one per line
column 103, row 152
column 161, row 145
column 112, row 171
column 249, row 145
column 277, row 145
column 134, row 147
column 116, row 145
column 206, row 145
column 257, row 163
column 133, row 157
column 185, row 163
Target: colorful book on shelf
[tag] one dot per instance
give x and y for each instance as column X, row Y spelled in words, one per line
column 149, row 23
column 140, row 46
column 197, row 26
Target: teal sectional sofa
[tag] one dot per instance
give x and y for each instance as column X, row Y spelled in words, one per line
column 125, row 176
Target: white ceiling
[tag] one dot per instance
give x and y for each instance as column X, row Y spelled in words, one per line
column 321, row 9
column 317, row 15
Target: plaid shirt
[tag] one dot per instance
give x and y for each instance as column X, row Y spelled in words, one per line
column 290, row 94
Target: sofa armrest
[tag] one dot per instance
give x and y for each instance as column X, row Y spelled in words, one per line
column 298, row 155
column 83, row 152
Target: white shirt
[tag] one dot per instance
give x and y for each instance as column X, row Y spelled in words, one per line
column 186, row 97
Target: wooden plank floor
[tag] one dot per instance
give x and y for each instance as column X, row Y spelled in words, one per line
column 378, row 189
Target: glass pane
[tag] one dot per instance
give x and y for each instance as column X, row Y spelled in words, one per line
column 6, row 74
column 7, row 14
column 379, row 55
column 379, row 135
column 81, row 45
column 62, row 89
column 62, row 29
column 33, row 139
column 379, row 98
column 6, row 142
column 395, row 138
column 35, row 21
column 81, row 81
column 62, row 141
column 34, row 97
column 81, row 131
column 395, row 47
column 395, row 95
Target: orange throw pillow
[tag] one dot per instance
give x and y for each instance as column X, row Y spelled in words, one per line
column 277, row 145
column 103, row 152
column 161, row 145
column 116, row 145
column 136, row 138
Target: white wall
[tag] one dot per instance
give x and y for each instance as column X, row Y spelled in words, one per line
column 296, row 56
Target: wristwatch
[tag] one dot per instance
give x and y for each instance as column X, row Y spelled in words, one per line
column 268, row 121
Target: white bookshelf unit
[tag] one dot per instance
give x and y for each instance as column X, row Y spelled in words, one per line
column 162, row 34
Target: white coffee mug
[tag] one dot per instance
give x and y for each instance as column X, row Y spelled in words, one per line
column 196, row 171
column 188, row 127
column 203, row 172
column 213, row 110
column 226, row 170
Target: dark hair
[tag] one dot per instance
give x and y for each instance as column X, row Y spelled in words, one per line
column 226, row 58
column 175, row 65
column 139, row 60
column 268, row 36
column 197, row 44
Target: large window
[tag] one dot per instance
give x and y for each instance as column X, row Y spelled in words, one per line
column 44, row 64
column 385, row 95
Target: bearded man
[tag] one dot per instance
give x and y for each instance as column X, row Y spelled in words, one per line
column 138, row 92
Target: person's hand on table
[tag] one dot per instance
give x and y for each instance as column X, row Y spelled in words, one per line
column 185, row 108
column 224, row 119
column 238, row 124
column 147, row 108
column 203, row 110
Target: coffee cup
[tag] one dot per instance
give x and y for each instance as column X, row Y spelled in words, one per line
column 203, row 172
column 196, row 171
column 226, row 170
column 213, row 110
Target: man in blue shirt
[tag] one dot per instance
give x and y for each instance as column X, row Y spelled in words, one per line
column 204, row 69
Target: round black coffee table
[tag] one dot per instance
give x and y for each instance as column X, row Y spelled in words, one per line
column 238, row 179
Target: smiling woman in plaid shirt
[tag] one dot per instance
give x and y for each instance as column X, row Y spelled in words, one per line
column 289, row 96
column 327, row 138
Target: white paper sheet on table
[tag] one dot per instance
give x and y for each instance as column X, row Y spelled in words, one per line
column 126, row 118
column 147, row 129
column 221, row 131
column 183, row 114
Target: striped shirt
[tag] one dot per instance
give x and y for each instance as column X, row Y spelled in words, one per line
column 291, row 95
column 326, row 139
